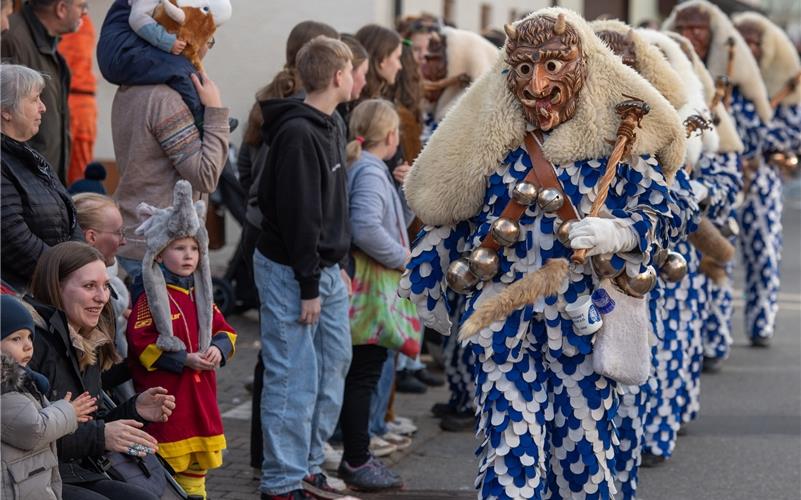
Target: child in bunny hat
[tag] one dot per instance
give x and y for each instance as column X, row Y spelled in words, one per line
column 177, row 337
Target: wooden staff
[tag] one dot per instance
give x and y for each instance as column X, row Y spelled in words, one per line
column 630, row 113
column 790, row 86
column 729, row 70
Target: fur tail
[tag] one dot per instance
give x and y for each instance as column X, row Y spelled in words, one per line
column 529, row 289
column 708, row 240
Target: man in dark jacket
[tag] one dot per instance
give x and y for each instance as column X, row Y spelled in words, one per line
column 32, row 41
column 305, row 330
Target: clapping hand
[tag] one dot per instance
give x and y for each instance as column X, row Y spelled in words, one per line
column 84, row 405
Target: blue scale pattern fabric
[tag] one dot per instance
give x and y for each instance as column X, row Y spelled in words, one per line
column 545, row 417
column 760, row 219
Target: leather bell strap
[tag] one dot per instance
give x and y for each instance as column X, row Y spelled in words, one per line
column 542, row 176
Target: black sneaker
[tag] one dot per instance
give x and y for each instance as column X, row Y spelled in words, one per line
column 439, row 410
column 649, row 460
column 428, row 378
column 463, row 421
column 292, row 495
column 317, row 486
column 712, row 365
column 370, row 476
column 407, row 383
column 760, row 341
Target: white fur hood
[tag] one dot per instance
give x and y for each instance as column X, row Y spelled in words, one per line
column 780, row 61
column 468, row 53
column 447, row 182
column 745, row 66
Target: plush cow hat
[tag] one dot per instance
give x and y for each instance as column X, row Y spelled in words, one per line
column 163, row 225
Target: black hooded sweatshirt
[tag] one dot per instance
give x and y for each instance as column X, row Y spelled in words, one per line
column 303, row 191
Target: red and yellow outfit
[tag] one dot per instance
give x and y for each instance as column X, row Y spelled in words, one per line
column 192, row 439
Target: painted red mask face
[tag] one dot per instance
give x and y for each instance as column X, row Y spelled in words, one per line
column 693, row 24
column 435, row 65
column 752, row 34
column 547, row 70
column 622, row 45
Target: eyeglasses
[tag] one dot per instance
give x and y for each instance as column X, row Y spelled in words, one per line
column 210, row 43
column 118, row 232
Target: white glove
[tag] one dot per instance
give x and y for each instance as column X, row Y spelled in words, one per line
column 602, row 236
column 700, row 192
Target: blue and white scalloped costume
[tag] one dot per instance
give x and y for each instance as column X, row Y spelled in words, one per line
column 760, row 218
column 545, row 417
column 674, row 316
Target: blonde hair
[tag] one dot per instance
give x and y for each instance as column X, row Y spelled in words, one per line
column 370, row 122
column 319, row 60
column 89, row 208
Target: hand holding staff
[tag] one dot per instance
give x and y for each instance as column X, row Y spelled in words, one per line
column 630, row 112
column 790, row 86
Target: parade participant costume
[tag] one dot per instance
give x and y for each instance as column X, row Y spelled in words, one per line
column 670, row 317
column 677, row 359
column 780, row 66
column 457, row 58
column 174, row 317
column 725, row 53
column 545, row 416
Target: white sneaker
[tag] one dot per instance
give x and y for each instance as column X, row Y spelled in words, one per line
column 402, row 442
column 380, row 448
column 401, row 425
column 337, row 484
column 332, row 457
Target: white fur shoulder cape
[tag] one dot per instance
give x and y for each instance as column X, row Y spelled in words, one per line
column 745, row 66
column 447, row 181
column 780, row 60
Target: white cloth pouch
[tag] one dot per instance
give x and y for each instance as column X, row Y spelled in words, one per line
column 621, row 351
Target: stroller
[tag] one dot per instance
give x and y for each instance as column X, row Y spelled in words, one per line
column 234, row 291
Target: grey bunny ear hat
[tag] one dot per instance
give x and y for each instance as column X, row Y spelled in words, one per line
column 163, row 225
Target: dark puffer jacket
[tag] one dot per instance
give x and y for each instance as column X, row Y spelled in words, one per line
column 36, row 210
column 56, row 358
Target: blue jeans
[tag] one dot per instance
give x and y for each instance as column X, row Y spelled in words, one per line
column 304, row 372
column 381, row 394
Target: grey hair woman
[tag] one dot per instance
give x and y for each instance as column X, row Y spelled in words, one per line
column 35, row 209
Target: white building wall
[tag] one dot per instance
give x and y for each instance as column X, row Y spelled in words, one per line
column 640, row 10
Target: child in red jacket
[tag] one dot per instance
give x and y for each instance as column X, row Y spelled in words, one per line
column 177, row 337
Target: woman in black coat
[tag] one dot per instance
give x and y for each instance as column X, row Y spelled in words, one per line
column 72, row 347
column 36, row 210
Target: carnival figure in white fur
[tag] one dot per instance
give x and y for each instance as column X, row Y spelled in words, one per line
column 673, row 392
column 718, row 43
column 545, row 415
column 678, row 264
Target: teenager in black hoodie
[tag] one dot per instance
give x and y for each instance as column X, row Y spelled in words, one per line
column 305, row 330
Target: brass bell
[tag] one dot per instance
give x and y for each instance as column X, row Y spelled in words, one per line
column 674, row 268
column 505, row 232
column 602, row 264
column 484, row 263
column 459, row 277
column 563, row 233
column 660, row 256
column 550, row 200
column 730, row 228
column 639, row 285
column 525, row 193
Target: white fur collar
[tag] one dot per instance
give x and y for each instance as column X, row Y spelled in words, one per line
column 780, row 60
column 744, row 67
column 468, row 53
column 696, row 102
column 728, row 138
column 447, row 181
